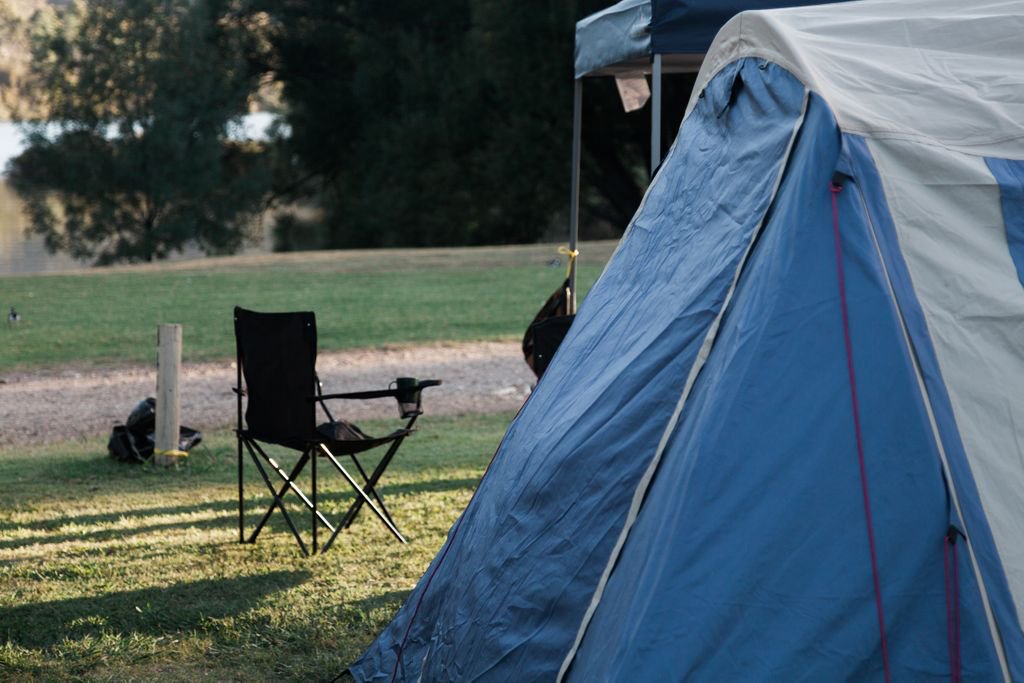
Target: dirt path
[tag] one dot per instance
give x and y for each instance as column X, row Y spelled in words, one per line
column 480, row 377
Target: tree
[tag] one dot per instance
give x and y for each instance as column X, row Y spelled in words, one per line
column 15, row 54
column 380, row 122
column 446, row 122
column 525, row 158
column 135, row 160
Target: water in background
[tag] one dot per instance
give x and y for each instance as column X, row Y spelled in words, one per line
column 21, row 253
column 18, row 252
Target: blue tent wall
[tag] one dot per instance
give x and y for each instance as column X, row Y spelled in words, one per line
column 506, row 594
column 1010, row 176
column 750, row 557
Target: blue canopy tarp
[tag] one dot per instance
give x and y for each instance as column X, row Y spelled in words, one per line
column 624, row 37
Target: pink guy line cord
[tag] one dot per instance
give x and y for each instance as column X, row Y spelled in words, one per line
column 952, row 605
column 835, row 190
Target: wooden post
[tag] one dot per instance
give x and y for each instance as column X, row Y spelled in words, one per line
column 168, row 401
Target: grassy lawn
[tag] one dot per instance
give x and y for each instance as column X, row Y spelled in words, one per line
column 361, row 298
column 120, row 572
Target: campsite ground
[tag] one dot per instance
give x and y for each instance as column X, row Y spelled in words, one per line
column 118, row 572
column 479, row 377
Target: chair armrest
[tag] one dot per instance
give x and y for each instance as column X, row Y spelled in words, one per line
column 379, row 393
column 408, row 398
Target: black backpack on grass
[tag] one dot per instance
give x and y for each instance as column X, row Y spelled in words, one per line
column 135, row 440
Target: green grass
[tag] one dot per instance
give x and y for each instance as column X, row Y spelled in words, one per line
column 361, row 298
column 121, row 572
column 118, row 572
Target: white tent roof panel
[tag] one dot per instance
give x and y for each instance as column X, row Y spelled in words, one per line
column 943, row 71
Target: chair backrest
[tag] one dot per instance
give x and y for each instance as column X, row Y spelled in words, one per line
column 277, row 357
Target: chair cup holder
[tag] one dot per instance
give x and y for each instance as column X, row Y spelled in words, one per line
column 407, row 391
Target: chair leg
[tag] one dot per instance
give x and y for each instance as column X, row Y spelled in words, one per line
column 277, row 500
column 371, row 486
column 241, row 494
column 362, row 494
column 290, row 483
column 280, row 494
column 313, row 464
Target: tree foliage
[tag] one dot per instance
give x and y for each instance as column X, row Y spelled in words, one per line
column 404, row 124
column 15, row 52
column 135, row 160
column 448, row 122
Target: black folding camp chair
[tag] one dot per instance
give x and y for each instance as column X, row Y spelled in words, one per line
column 277, row 359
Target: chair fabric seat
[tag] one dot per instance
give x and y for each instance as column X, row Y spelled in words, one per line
column 343, row 438
column 348, row 438
column 297, row 443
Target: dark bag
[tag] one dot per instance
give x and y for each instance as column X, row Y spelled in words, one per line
column 542, row 340
column 547, row 337
column 135, row 440
column 121, row 446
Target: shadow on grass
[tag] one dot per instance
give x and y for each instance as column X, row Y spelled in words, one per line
column 116, row 533
column 74, row 479
column 141, row 513
column 151, row 611
column 335, row 502
column 391, row 600
column 429, row 486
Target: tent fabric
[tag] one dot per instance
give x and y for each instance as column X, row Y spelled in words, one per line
column 981, row 364
column 939, row 71
column 626, row 35
column 964, row 497
column 689, row 26
column 620, row 33
column 682, row 495
column 751, row 582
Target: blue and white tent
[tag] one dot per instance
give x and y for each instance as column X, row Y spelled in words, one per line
column 784, row 439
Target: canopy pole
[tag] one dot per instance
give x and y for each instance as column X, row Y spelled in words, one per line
column 656, row 115
column 574, row 204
